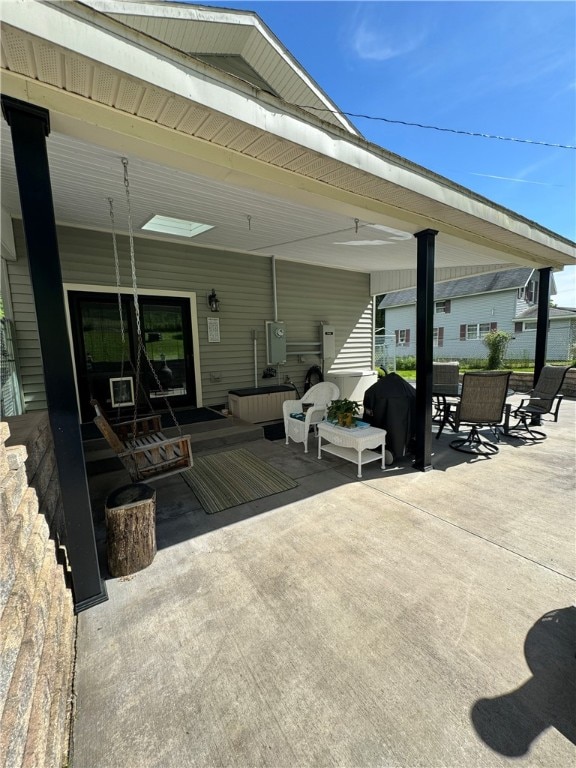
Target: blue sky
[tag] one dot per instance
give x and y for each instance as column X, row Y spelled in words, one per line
column 503, row 68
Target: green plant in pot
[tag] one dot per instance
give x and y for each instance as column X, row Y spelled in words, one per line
column 343, row 412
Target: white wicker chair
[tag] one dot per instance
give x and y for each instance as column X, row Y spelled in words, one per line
column 298, row 419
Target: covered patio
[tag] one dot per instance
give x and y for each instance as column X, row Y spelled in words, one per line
column 279, row 186
column 409, row 619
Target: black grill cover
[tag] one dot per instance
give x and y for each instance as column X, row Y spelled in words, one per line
column 390, row 404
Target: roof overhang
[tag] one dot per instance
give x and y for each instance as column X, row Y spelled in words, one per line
column 200, row 31
column 193, row 134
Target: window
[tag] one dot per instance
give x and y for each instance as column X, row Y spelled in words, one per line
column 474, row 331
column 477, row 331
column 442, row 307
column 438, row 337
column 527, row 325
column 402, row 337
column 529, row 292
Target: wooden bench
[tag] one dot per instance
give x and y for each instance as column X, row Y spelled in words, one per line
column 143, row 448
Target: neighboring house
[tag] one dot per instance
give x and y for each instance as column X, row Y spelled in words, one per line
column 465, row 310
column 282, row 208
column 561, row 334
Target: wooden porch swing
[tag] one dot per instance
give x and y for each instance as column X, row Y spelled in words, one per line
column 139, row 443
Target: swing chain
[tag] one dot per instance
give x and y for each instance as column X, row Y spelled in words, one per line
column 132, row 256
column 140, row 346
column 117, row 267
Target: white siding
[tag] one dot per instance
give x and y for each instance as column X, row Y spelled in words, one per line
column 309, row 296
column 561, row 338
column 498, row 307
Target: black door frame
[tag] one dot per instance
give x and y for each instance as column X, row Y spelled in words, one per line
column 184, row 299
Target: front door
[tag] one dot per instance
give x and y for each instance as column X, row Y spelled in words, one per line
column 106, row 354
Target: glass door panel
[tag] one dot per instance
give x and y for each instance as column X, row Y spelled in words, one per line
column 163, row 332
column 103, row 359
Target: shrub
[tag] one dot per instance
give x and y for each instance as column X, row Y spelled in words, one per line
column 407, row 363
column 497, row 342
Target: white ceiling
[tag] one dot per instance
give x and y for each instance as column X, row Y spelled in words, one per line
column 84, row 176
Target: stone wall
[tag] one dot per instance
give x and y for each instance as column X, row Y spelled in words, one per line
column 37, row 621
column 522, row 382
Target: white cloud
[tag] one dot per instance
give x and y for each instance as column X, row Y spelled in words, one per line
column 510, row 178
column 375, row 42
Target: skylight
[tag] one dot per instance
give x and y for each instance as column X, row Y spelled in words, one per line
column 180, row 227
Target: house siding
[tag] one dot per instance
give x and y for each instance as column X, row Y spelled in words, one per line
column 26, row 328
column 560, row 343
column 500, row 307
column 306, row 296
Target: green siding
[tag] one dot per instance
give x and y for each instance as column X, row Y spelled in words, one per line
column 306, row 296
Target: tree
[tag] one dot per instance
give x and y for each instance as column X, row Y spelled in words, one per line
column 497, row 343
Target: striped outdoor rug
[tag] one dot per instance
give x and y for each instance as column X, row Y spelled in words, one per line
column 224, row 480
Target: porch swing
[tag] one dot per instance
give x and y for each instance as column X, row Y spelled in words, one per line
column 139, row 443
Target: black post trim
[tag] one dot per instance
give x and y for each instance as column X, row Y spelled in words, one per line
column 542, row 321
column 29, row 126
column 424, row 340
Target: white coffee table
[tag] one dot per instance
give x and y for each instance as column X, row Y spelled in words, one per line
column 354, row 444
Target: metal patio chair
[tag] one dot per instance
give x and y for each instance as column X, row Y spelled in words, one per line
column 481, row 405
column 301, row 415
column 544, row 399
column 445, row 381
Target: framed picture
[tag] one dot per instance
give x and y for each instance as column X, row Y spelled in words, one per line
column 122, row 391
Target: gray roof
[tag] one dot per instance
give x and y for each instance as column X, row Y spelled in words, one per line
column 464, row 286
column 553, row 312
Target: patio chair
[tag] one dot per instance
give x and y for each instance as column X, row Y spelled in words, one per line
column 445, row 381
column 446, row 374
column 544, row 399
column 481, row 405
column 302, row 415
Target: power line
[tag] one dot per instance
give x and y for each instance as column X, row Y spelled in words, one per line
column 437, row 128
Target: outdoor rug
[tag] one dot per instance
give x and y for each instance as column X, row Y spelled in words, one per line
column 224, row 480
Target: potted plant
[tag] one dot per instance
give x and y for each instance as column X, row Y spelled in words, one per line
column 343, row 412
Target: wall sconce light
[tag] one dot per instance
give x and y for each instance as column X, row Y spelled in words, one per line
column 213, row 301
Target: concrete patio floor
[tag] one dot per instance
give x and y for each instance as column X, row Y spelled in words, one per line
column 405, row 619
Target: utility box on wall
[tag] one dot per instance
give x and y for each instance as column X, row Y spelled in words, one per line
column 328, row 342
column 275, row 342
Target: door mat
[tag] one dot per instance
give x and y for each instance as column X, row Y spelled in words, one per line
column 274, row 431
column 224, row 480
column 188, row 416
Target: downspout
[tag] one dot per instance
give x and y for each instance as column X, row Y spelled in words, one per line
column 255, row 346
column 274, row 289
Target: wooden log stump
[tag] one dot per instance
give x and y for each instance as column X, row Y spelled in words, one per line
column 131, row 528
